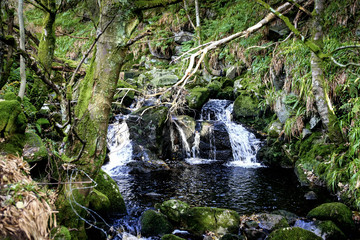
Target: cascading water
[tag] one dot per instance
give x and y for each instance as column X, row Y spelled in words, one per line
column 244, row 144
column 119, row 144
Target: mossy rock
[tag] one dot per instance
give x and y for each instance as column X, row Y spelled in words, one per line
column 294, row 233
column 337, row 212
column 197, row 97
column 226, row 93
column 10, row 96
column 329, row 230
column 12, row 145
column 99, row 202
column 61, row 233
column 174, row 209
column 12, row 118
column 229, row 236
column 214, row 87
column 107, row 186
column 246, row 106
column 34, row 149
column 154, row 224
column 198, row 220
column 270, row 222
column 171, row 237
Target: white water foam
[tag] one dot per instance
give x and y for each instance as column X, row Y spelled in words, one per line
column 120, row 146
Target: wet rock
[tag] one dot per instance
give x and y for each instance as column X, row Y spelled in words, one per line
column 199, row 220
column 153, row 223
column 325, row 229
column 174, row 210
column 294, row 233
column 254, row 234
column 146, row 166
column 290, row 217
column 183, row 36
column 305, row 133
column 107, row 186
column 311, row 195
column 270, row 222
column 337, row 212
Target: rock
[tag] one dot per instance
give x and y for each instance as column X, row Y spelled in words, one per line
column 325, row 229
column 12, row 127
column 281, row 109
column 272, row 154
column 305, row 133
column 147, row 165
column 164, row 80
column 238, row 86
column 314, row 121
column 245, row 106
column 34, row 148
column 174, row 209
column 226, row 93
column 270, row 222
column 231, row 72
column 229, row 236
column 290, row 217
column 255, row 234
column 274, row 129
column 107, row 186
column 126, row 96
column 183, row 36
column 197, row 97
column 153, row 223
column 171, row 237
column 199, row 220
column 311, row 195
column 214, row 87
column 294, row 233
column 337, row 212
column 99, row 202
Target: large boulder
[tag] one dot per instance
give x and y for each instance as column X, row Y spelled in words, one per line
column 337, row 212
column 183, row 36
column 294, row 233
column 197, row 97
column 246, row 106
column 174, row 210
column 99, row 202
column 270, row 222
column 154, row 224
column 282, row 110
column 199, row 220
column 34, row 148
column 107, row 186
column 12, row 127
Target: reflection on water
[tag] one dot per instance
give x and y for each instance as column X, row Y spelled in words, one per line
column 245, row 190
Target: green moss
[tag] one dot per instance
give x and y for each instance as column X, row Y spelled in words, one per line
column 174, row 209
column 13, row 145
column 154, row 224
column 214, row 87
column 61, row 233
column 86, row 89
column 226, row 93
column 12, row 118
column 34, row 148
column 107, row 186
column 330, row 230
column 197, row 97
column 245, row 106
column 10, row 96
column 99, row 202
column 47, row 42
column 198, row 220
column 337, row 212
column 171, row 237
column 294, row 233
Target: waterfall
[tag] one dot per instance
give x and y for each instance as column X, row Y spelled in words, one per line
column 184, row 141
column 195, row 149
column 120, row 146
column 244, row 144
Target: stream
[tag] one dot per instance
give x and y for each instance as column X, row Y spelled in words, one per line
column 241, row 184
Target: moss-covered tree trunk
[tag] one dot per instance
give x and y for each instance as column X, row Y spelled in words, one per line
column 9, row 58
column 319, row 85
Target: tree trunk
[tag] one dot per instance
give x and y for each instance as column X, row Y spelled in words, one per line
column 198, row 26
column 319, row 85
column 9, row 60
column 22, row 47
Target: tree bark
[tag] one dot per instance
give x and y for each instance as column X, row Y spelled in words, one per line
column 22, row 47
column 319, row 84
column 198, row 26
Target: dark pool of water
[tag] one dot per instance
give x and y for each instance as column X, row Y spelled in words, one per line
column 245, row 190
